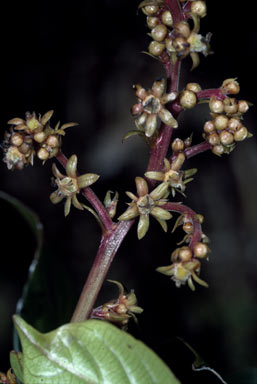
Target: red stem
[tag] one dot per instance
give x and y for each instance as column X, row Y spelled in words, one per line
column 109, row 246
column 184, row 210
column 208, row 93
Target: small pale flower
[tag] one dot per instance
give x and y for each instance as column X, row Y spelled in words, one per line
column 145, row 204
column 69, row 185
column 173, row 175
column 151, row 106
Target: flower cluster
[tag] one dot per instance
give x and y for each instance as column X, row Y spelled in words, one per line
column 226, row 127
column 145, row 204
column 173, row 175
column 9, row 378
column 151, row 104
column 176, row 40
column 32, row 136
column 69, row 185
column 120, row 310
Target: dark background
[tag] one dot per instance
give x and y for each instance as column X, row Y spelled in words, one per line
column 81, row 59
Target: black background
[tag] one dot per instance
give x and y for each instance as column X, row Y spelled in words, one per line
column 81, row 59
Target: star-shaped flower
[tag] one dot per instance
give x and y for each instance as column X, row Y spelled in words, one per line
column 146, row 204
column 70, row 185
column 152, row 105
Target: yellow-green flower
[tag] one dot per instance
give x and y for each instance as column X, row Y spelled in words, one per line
column 152, row 105
column 173, row 175
column 69, row 185
column 145, row 204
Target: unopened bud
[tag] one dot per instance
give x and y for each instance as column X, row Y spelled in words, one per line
column 218, row 149
column 52, row 141
column 221, row 122
column 230, row 106
column 231, row 86
column 159, row 32
column 209, row 127
column 180, row 43
column 39, row 137
column 150, row 10
column 177, row 145
column 156, row 48
column 187, row 99
column 42, row 154
column 194, row 87
column 188, row 227
column 167, row 18
column 182, row 28
column 200, row 250
column 241, row 134
column 24, row 148
column 216, row 105
column 185, row 253
column 226, row 138
column 198, row 8
column 243, row 106
column 214, row 139
column 17, row 139
column 152, row 21
column 234, row 124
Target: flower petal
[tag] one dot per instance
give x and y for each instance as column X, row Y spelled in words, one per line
column 142, row 187
column 167, row 118
column 67, row 206
column 142, row 226
column 87, row 179
column 46, row 117
column 155, row 175
column 55, row 197
column 129, row 214
column 71, row 166
column 76, row 203
column 161, row 213
column 151, row 125
column 159, row 191
column 163, row 224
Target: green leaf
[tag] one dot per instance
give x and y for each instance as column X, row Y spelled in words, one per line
column 16, row 360
column 90, row 352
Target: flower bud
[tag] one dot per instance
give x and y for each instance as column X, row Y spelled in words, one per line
column 156, row 48
column 152, row 21
column 136, row 109
column 231, row 86
column 17, row 139
column 194, row 87
column 150, row 9
column 52, row 141
column 188, row 227
column 167, row 18
column 198, row 8
column 25, row 148
column 42, row 154
column 216, row 105
column 169, row 44
column 234, row 124
column 243, row 106
column 230, row 106
column 218, row 149
column 182, row 28
column 187, row 99
column 177, row 145
column 209, row 127
column 39, row 137
column 180, row 43
column 214, row 139
column 185, row 254
column 241, row 134
column 220, row 122
column 178, row 162
column 159, row 32
column 226, row 138
column 200, row 250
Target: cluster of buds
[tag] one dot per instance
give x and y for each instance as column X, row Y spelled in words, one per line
column 151, row 104
column 119, row 311
column 176, row 40
column 226, row 128
column 69, row 185
column 172, row 173
column 145, row 204
column 32, row 136
column 9, row 378
column 186, row 265
column 188, row 97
